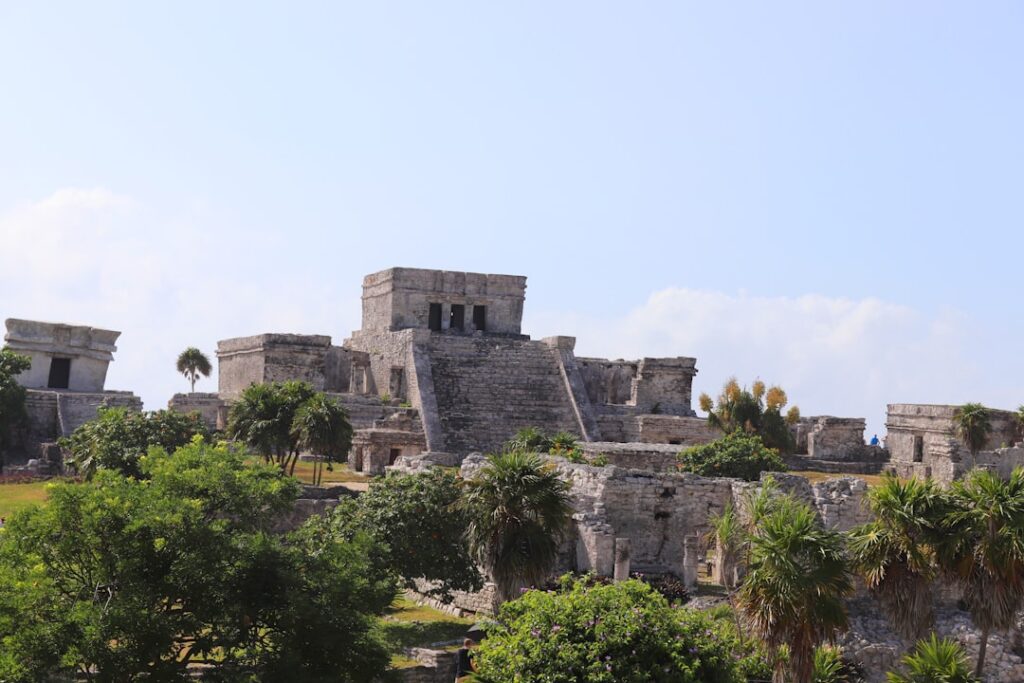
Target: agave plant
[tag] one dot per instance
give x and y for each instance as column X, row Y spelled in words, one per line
column 934, row 661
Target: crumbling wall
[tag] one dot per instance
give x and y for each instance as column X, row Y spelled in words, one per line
column 836, row 438
column 608, row 381
column 271, row 358
column 664, row 385
column 210, row 407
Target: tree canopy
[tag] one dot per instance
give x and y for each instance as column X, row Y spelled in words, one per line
column 737, row 454
column 193, row 364
column 127, row 578
column 12, row 397
column 757, row 410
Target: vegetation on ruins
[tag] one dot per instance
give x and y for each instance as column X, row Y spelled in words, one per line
column 757, row 410
column 972, row 426
column 418, row 528
column 934, row 660
column 269, row 418
column 518, row 509
column 737, row 454
column 128, row 579
column 529, row 440
column 193, row 364
column 12, row 397
column 796, row 581
column 608, row 633
column 894, row 551
column 321, row 427
column 118, row 439
column 981, row 547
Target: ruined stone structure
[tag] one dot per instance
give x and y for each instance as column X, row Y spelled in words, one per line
column 65, row 383
column 923, row 442
column 443, row 362
column 835, row 444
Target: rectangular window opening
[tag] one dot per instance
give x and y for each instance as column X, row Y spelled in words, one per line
column 458, row 317
column 918, row 449
column 480, row 318
column 60, row 373
column 435, row 317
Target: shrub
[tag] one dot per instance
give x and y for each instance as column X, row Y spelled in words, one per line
column 934, row 661
column 529, row 439
column 624, row 632
column 736, row 454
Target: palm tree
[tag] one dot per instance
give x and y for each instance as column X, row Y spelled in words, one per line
column 321, row 427
column 262, row 417
column 934, row 660
column 796, row 581
column 518, row 510
column 972, row 426
column 981, row 547
column 192, row 363
column 892, row 552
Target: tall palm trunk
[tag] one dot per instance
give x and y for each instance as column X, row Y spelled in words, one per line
column 982, row 647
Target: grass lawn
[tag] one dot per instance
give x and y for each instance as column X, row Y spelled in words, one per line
column 815, row 477
column 14, row 497
column 340, row 474
column 407, row 624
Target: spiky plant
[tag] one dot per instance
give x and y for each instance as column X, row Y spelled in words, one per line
column 757, row 410
column 893, row 554
column 972, row 426
column 934, row 660
column 981, row 547
column 519, row 510
column 796, row 582
column 193, row 363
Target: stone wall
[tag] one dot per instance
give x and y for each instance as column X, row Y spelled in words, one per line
column 608, row 381
column 400, row 298
column 272, row 358
column 75, row 409
column 664, row 385
column 210, row 407
column 89, row 351
column 836, row 438
column 656, row 429
column 640, row 456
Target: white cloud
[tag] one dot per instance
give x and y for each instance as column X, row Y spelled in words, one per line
column 832, row 355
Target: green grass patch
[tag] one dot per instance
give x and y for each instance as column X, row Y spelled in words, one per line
column 407, row 624
column 15, row 497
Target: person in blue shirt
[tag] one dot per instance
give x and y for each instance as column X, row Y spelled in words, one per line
column 874, row 440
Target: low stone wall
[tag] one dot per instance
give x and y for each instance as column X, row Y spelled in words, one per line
column 641, row 456
column 210, row 407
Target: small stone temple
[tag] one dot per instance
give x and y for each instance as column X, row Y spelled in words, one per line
column 65, row 383
column 441, row 364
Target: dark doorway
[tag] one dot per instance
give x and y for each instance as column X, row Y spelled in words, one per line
column 435, row 317
column 394, row 455
column 60, row 373
column 918, row 449
column 458, row 319
column 480, row 317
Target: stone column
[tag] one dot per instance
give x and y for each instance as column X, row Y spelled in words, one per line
column 690, row 561
column 621, row 559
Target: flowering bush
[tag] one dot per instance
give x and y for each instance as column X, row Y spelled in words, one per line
column 613, row 633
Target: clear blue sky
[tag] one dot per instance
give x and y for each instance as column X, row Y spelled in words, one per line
column 828, row 166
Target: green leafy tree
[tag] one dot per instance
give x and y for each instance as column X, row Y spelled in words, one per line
column 12, row 398
column 796, row 581
column 972, row 426
column 118, row 438
column 321, row 427
column 981, row 547
column 518, row 509
column 934, row 661
column 737, row 454
column 614, row 633
column 193, row 363
column 135, row 579
column 894, row 552
column 757, row 410
column 263, row 417
column 419, row 529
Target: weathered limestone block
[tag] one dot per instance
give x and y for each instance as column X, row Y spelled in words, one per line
column 210, row 407
column 64, row 357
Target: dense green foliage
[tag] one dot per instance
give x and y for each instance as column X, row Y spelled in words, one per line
column 517, row 508
column 419, row 530
column 972, row 426
column 894, row 553
column 118, row 438
column 530, row 440
column 279, row 419
column 134, row 579
column 934, row 661
column 12, row 397
column 737, row 454
column 193, row 363
column 756, row 411
column 796, row 582
column 612, row 633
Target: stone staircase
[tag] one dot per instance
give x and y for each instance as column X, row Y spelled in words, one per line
column 487, row 388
